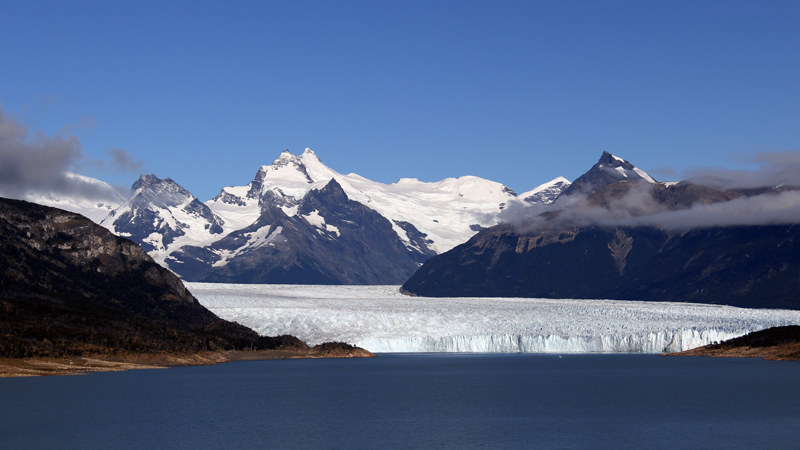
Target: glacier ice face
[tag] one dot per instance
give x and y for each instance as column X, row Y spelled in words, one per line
column 381, row 319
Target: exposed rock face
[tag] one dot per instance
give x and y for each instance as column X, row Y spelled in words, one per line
column 69, row 286
column 552, row 263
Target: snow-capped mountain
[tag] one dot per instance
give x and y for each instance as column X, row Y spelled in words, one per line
column 162, row 217
column 608, row 170
column 447, row 212
column 299, row 221
column 546, row 193
column 79, row 194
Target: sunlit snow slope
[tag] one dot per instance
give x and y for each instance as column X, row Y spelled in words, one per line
column 546, row 193
column 381, row 319
column 449, row 211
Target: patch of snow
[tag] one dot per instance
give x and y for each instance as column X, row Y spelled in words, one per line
column 644, row 175
column 545, row 186
column 546, row 193
column 621, row 171
column 315, row 219
column 291, row 212
column 256, row 239
column 155, row 239
column 333, row 229
column 261, row 237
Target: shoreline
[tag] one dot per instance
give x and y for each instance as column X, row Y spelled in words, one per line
column 783, row 352
column 772, row 344
column 85, row 364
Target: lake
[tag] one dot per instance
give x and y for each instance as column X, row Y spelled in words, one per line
column 415, row 401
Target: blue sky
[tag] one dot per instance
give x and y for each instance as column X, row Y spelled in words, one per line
column 517, row 92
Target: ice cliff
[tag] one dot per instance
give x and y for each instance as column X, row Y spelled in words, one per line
column 380, row 319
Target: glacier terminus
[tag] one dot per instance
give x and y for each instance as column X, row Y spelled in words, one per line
column 381, row 319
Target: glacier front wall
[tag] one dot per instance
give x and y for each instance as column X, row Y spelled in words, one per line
column 655, row 342
column 380, row 319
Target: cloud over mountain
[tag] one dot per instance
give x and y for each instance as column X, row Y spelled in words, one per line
column 771, row 169
column 766, row 195
column 34, row 162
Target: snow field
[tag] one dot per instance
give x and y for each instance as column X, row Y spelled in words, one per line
column 381, row 319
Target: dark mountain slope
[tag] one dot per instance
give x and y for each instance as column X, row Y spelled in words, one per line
column 68, row 286
column 565, row 263
column 753, row 266
column 749, row 266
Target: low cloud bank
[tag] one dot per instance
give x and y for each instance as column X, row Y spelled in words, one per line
column 640, row 207
column 36, row 163
column 779, row 208
column 33, row 163
column 771, row 169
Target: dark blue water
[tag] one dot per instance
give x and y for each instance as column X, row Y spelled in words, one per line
column 419, row 401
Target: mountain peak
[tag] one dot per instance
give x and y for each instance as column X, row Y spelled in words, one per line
column 154, row 190
column 332, row 192
column 145, row 179
column 158, row 212
column 608, row 170
column 608, row 158
column 284, row 158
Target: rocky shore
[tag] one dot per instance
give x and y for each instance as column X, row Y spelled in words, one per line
column 776, row 344
column 79, row 365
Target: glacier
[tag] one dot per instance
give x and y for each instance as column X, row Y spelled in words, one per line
column 381, row 319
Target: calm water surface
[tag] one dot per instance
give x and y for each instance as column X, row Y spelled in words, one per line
column 415, row 401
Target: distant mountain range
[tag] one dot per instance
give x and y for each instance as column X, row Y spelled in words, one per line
column 299, row 221
column 619, row 234
column 615, row 232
